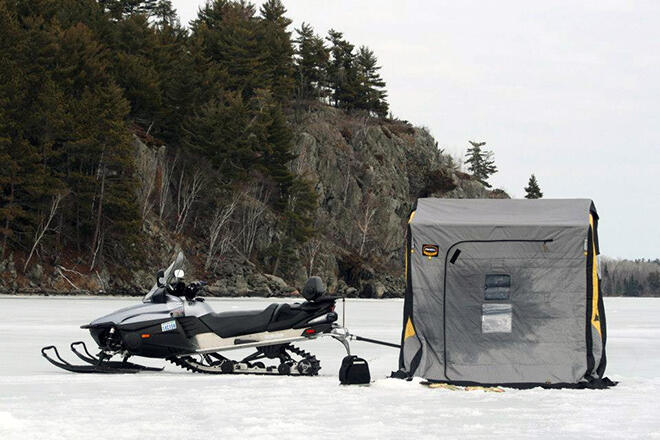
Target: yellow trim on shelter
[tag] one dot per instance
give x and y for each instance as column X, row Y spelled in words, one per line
column 410, row 330
column 595, row 320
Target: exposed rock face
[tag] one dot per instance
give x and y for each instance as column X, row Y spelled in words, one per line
column 368, row 174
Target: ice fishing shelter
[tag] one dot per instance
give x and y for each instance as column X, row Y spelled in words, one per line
column 503, row 292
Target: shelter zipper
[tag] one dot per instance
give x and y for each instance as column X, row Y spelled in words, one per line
column 444, row 284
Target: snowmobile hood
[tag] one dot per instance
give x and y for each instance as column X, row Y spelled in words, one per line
column 144, row 312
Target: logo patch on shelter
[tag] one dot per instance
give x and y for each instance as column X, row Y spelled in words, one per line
column 430, row 250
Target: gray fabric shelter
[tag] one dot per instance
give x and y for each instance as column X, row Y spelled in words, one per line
column 503, row 292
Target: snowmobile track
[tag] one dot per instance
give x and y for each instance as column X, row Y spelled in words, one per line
column 286, row 368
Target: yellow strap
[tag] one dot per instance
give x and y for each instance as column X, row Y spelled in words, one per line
column 410, row 330
column 405, row 269
column 412, row 216
column 595, row 320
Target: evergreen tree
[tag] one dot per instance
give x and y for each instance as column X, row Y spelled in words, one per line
column 342, row 71
column 631, row 286
column 653, row 281
column 480, row 162
column 277, row 155
column 188, row 80
column 532, row 190
column 228, row 33
column 372, row 96
column 165, row 15
column 311, row 63
column 277, row 50
column 223, row 132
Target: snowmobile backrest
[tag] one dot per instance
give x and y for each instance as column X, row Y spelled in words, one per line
column 314, row 288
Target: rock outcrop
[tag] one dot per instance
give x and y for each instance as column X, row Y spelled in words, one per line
column 368, row 174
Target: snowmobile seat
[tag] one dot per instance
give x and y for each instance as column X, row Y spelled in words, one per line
column 229, row 324
column 314, row 288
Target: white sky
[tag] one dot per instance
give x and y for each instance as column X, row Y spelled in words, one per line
column 566, row 90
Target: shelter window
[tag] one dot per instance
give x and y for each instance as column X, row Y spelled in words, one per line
column 497, row 287
column 496, row 318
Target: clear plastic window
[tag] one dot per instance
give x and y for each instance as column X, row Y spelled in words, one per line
column 496, row 318
column 497, row 287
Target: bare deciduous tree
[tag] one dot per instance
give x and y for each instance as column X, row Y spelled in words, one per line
column 347, row 183
column 252, row 212
column 217, row 242
column 310, row 250
column 44, row 226
column 146, row 167
column 188, row 190
column 167, row 171
column 146, row 171
column 364, row 222
column 98, row 203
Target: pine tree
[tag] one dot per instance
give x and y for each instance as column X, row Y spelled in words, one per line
column 228, row 33
column 480, row 162
column 532, row 190
column 342, row 71
column 222, row 131
column 372, row 95
column 165, row 15
column 277, row 50
column 278, row 154
column 97, row 157
column 653, row 281
column 311, row 63
column 32, row 120
column 134, row 47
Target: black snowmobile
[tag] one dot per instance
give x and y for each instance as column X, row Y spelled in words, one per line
column 173, row 323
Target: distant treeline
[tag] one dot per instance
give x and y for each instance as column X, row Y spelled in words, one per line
column 81, row 77
column 631, row 277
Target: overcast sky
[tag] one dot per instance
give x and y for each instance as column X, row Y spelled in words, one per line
column 566, row 90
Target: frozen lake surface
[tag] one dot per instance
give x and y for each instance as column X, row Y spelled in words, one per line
column 38, row 401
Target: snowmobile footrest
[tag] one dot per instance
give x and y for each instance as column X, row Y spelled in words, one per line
column 354, row 371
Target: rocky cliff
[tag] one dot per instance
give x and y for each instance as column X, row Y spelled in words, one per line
column 367, row 174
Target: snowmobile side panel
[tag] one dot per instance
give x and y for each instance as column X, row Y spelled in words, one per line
column 159, row 339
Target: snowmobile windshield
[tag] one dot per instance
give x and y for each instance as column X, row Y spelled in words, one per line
column 168, row 276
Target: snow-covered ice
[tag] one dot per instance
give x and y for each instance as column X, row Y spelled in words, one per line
column 39, row 401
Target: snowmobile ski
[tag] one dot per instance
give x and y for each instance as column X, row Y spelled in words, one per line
column 102, row 367
column 93, row 360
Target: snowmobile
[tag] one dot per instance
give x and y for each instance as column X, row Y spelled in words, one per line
column 175, row 324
